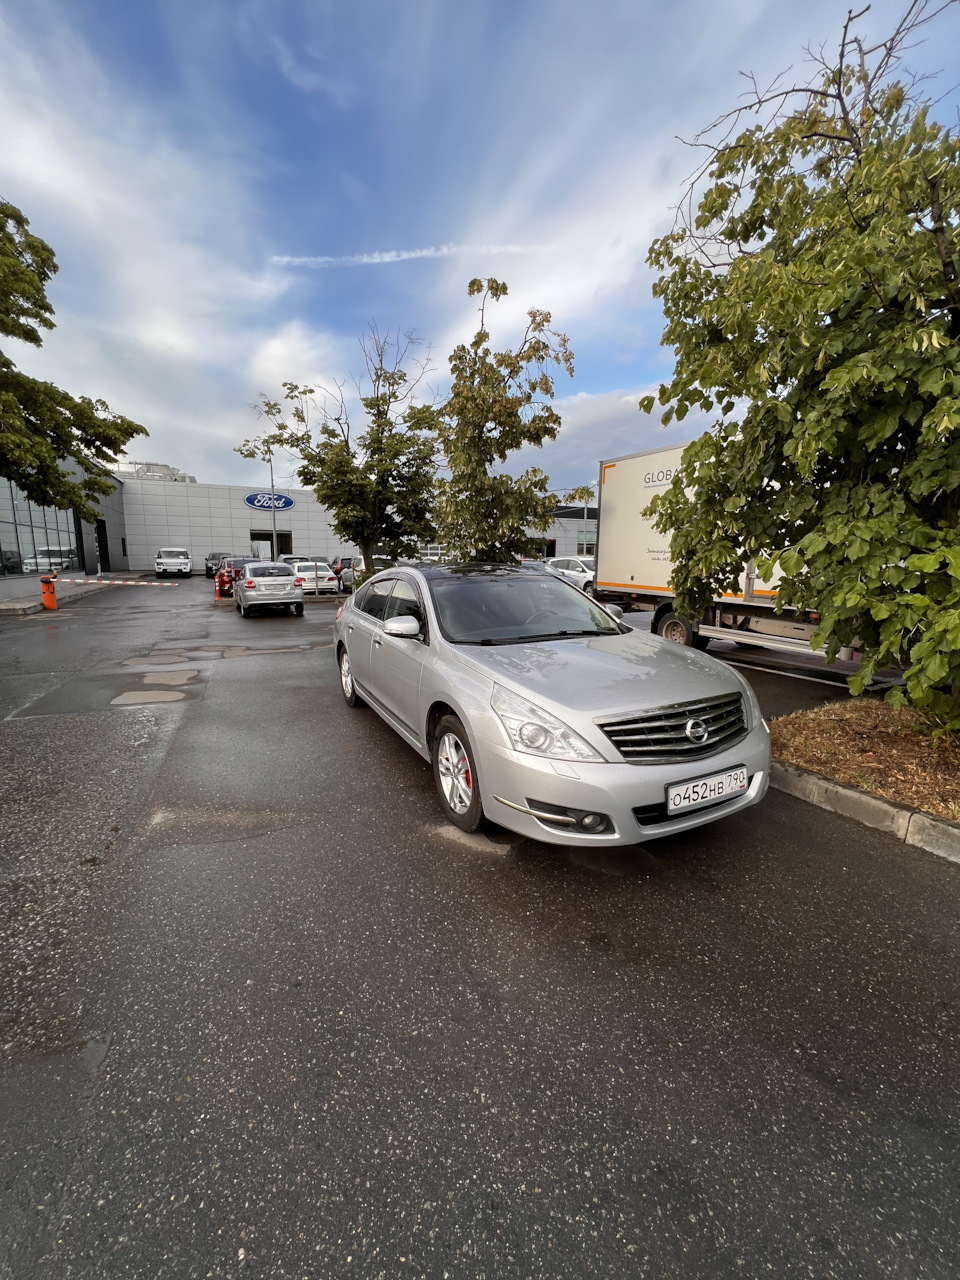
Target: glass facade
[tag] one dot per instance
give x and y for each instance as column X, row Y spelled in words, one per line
column 34, row 539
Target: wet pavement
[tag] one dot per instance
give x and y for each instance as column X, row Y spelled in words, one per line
column 265, row 1014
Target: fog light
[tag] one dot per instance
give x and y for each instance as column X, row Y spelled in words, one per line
column 591, row 821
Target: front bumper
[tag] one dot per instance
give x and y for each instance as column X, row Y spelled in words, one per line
column 615, row 790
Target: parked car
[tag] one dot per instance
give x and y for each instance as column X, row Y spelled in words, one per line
column 318, row 577
column 580, row 570
column 538, row 708
column 346, row 568
column 212, row 560
column 172, row 560
column 268, row 584
column 229, row 570
column 51, row 560
column 535, row 566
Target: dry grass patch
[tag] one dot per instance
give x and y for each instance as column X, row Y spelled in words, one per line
column 883, row 749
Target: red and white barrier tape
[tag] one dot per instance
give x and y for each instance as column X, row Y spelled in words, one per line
column 112, row 582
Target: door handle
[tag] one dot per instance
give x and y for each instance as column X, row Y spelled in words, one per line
column 378, row 643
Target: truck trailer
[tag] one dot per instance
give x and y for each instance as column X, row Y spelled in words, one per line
column 634, row 566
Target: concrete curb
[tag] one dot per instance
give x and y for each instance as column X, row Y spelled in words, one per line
column 923, row 830
column 22, row 607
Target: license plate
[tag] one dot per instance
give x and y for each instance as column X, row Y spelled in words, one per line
column 700, row 791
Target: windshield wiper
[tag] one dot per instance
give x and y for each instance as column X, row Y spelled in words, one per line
column 539, row 635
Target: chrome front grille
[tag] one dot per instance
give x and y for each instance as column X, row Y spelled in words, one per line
column 661, row 736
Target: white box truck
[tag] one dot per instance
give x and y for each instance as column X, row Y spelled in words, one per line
column 634, row 566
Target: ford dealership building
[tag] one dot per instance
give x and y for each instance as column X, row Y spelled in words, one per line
column 234, row 519
column 156, row 506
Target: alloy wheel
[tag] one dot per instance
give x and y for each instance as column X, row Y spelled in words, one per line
column 455, row 775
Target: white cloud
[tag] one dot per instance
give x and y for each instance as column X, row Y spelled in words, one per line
column 382, row 256
column 600, row 427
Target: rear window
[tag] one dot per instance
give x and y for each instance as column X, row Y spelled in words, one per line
column 270, row 571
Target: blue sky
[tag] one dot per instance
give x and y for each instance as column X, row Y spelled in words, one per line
column 178, row 155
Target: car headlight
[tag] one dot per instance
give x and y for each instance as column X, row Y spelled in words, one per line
column 537, row 732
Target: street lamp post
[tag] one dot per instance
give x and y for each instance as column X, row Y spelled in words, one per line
column 273, row 505
column 590, row 486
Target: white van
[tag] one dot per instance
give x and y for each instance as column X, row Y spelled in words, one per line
column 171, row 560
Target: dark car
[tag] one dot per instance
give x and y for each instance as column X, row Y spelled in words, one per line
column 229, row 570
column 346, row 567
column 213, row 558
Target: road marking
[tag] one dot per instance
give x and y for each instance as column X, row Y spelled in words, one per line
column 790, row 675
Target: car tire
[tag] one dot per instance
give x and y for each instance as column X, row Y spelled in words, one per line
column 347, row 687
column 237, row 605
column 298, row 610
column 455, row 775
column 244, row 611
column 590, row 589
column 159, row 574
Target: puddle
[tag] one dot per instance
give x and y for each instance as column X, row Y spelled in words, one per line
column 630, row 861
column 154, row 660
column 473, row 840
column 142, row 697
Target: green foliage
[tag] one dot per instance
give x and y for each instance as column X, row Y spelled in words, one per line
column 811, row 297
column 379, row 486
column 499, row 401
column 42, row 427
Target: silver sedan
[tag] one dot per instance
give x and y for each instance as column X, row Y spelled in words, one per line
column 265, row 585
column 538, row 708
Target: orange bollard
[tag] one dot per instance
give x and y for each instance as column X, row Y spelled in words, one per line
column 48, row 590
column 216, row 586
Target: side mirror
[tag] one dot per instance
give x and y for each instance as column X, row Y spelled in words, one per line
column 614, row 610
column 403, row 628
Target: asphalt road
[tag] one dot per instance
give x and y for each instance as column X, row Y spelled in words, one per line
column 265, row 1014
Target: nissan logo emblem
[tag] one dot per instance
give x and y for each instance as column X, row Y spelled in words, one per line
column 696, row 731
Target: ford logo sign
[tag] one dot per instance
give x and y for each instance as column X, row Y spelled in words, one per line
column 267, row 500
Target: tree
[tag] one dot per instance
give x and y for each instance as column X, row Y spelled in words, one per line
column 42, row 427
column 378, row 485
column 499, row 402
column 811, row 296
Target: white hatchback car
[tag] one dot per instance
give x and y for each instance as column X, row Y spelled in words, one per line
column 580, row 570
column 174, row 560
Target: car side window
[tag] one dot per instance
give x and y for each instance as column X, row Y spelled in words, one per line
column 404, row 603
column 562, row 564
column 373, row 600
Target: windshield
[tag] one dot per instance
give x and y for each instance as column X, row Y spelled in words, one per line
column 176, row 553
column 508, row 609
column 587, row 562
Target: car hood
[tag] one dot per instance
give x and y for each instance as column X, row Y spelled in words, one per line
column 603, row 675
